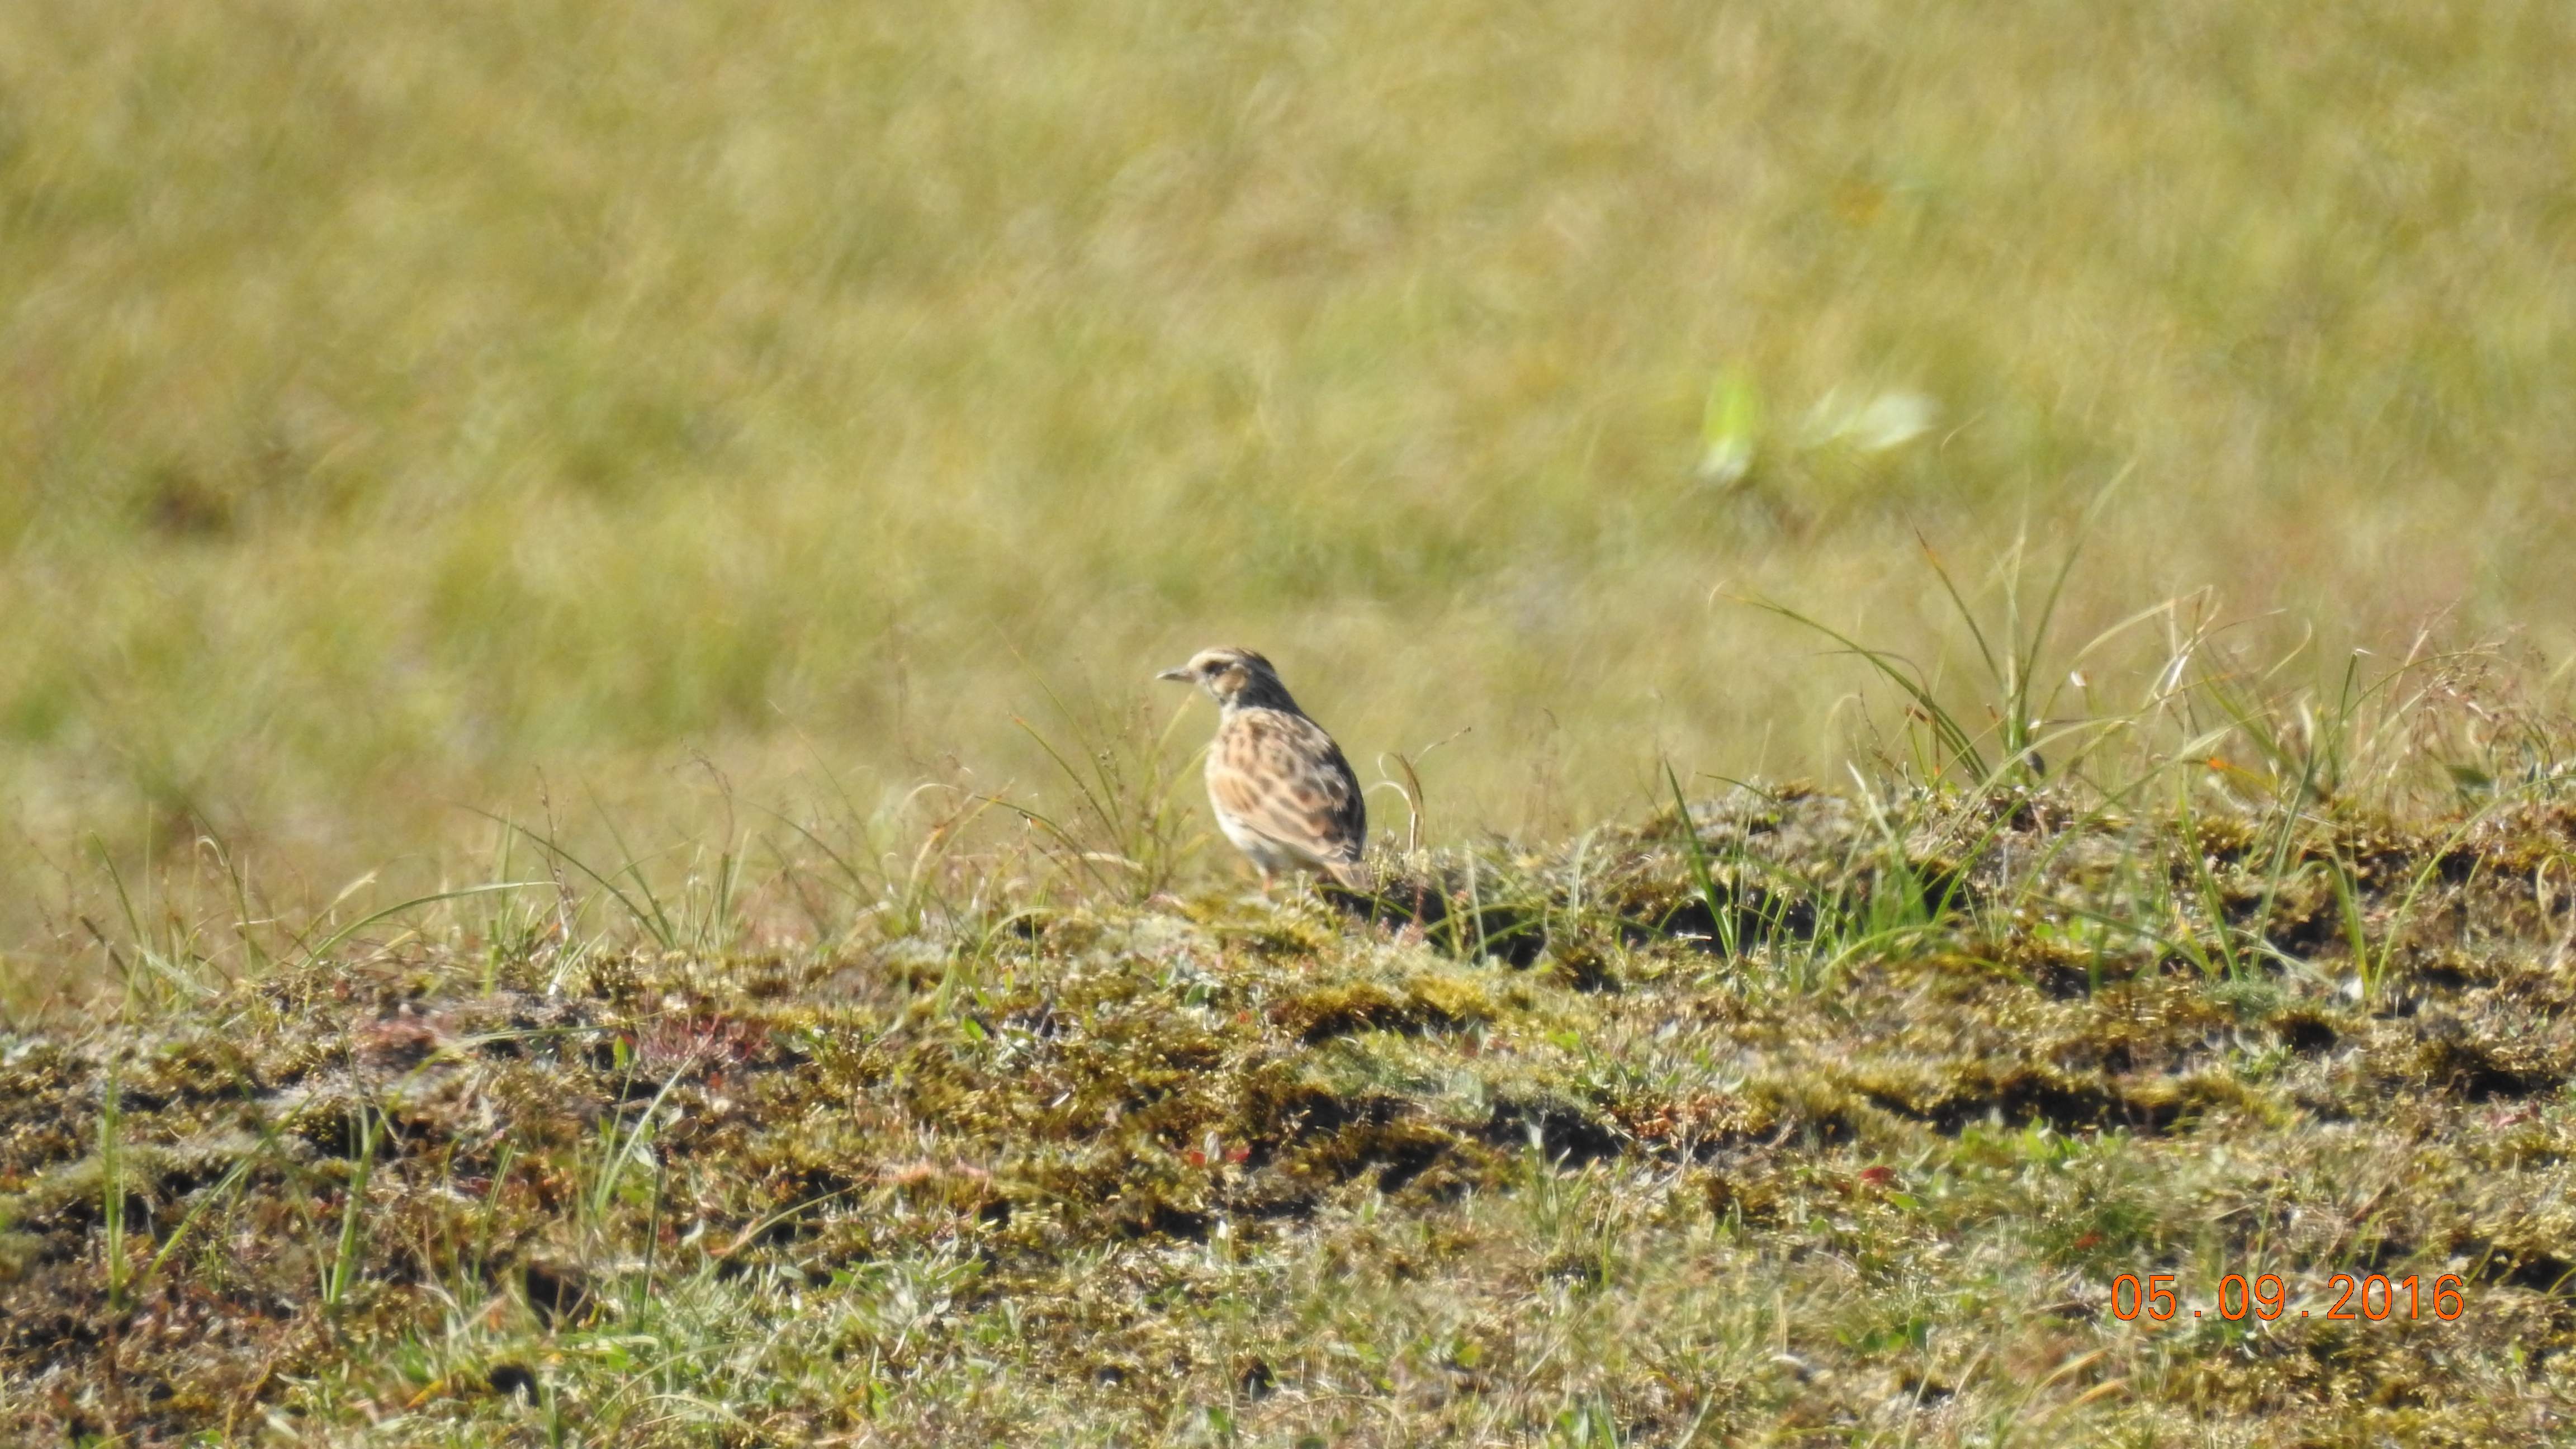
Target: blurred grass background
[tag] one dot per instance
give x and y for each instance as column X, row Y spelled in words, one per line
column 407, row 410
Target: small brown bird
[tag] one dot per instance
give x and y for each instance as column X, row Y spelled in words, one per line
column 1282, row 791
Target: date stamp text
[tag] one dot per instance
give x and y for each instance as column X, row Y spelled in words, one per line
column 2266, row 1296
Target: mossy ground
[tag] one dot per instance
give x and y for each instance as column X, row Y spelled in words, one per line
column 1853, row 1158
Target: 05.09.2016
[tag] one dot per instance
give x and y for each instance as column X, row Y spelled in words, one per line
column 2266, row 1297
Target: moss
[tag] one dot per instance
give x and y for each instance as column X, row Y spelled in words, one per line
column 1419, row 1001
column 18, row 1251
column 1139, row 1150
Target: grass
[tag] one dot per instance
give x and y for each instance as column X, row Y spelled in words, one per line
column 1965, row 606
column 1542, row 1155
column 410, row 416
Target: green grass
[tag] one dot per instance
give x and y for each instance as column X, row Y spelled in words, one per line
column 1044, row 1165
column 471, row 409
column 1778, row 1117
column 589, row 854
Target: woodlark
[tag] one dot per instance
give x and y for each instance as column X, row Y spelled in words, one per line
column 1282, row 791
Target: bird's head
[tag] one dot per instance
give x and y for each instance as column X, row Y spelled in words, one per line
column 1233, row 677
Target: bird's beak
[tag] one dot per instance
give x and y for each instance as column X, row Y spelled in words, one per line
column 1181, row 675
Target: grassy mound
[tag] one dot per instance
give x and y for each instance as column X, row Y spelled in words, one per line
column 1822, row 1120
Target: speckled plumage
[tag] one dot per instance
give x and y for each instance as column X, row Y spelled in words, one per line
column 1281, row 789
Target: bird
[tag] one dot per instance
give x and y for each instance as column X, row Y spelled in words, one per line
column 1280, row 787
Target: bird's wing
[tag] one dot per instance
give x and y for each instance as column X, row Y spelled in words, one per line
column 1280, row 776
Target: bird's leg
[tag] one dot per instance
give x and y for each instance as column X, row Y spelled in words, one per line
column 1414, row 931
